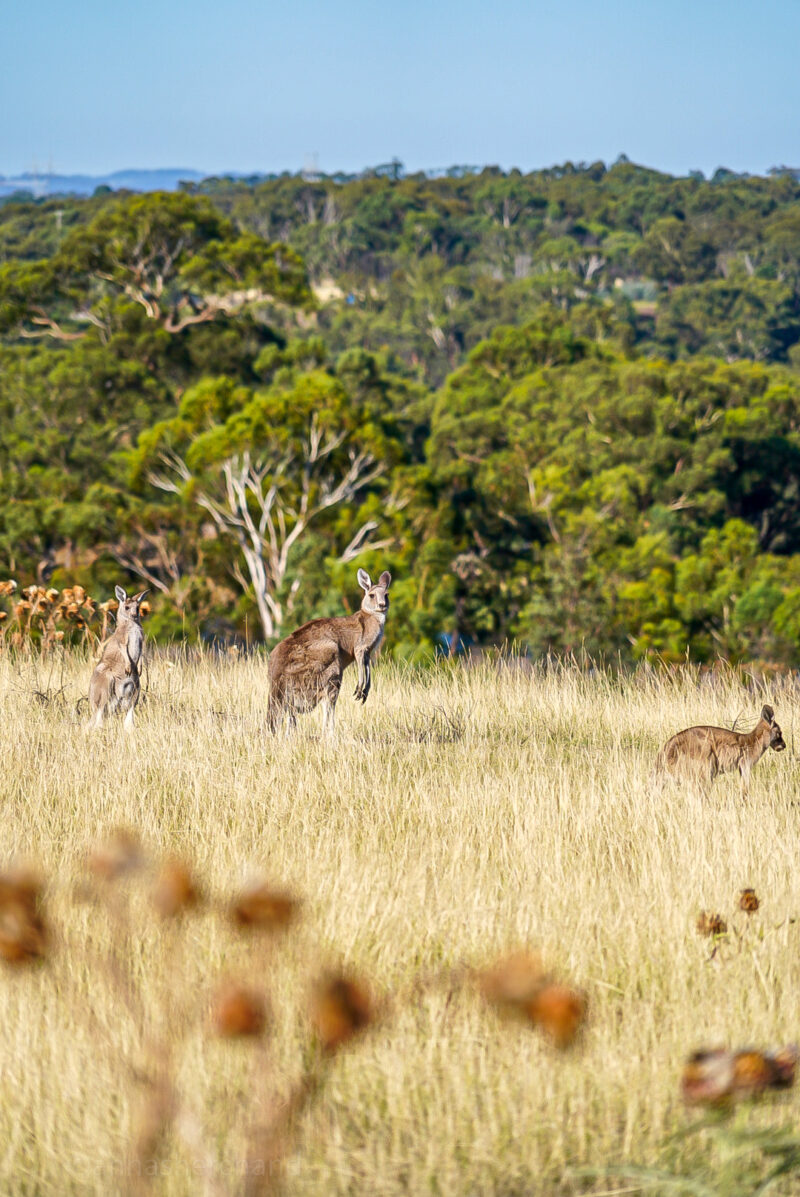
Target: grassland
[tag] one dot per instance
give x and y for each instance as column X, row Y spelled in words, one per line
column 460, row 813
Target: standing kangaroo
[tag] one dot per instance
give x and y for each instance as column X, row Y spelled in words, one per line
column 704, row 752
column 115, row 681
column 306, row 668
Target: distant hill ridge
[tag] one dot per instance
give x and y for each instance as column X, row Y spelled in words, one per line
column 40, row 185
column 166, row 179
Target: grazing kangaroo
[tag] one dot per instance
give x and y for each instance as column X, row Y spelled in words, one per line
column 701, row 753
column 115, row 681
column 306, row 668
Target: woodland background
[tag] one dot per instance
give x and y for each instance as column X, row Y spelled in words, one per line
column 563, row 408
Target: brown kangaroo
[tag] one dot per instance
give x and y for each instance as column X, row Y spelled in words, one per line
column 306, row 668
column 701, row 753
column 115, row 682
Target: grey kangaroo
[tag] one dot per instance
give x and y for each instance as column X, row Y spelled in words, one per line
column 115, row 682
column 702, row 753
column 306, row 668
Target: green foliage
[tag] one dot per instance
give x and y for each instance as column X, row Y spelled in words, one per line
column 428, row 267
column 568, row 396
column 172, row 254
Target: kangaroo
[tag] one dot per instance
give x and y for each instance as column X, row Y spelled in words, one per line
column 306, row 668
column 115, row 682
column 704, row 752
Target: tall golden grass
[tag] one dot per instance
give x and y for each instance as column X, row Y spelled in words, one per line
column 462, row 815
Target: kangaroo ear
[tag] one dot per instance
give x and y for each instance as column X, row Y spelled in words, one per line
column 120, row 593
column 137, row 598
column 385, row 580
column 767, row 714
column 364, row 580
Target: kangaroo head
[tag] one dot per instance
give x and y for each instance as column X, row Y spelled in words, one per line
column 128, row 609
column 776, row 740
column 376, row 598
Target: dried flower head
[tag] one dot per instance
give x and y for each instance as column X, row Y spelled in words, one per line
column 514, row 980
column 7, row 587
column 716, row 1076
column 52, row 594
column 116, row 855
column 340, row 1009
column 752, row 1072
column 711, row 924
column 150, row 1127
column 23, row 934
column 708, row 1077
column 260, row 906
column 559, row 1011
column 144, row 609
column 21, row 885
column 175, row 890
column 748, row 901
column 237, row 1010
column 784, row 1065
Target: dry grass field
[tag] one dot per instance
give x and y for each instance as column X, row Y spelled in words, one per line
column 462, row 813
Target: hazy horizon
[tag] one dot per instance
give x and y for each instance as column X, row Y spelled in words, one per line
column 37, row 170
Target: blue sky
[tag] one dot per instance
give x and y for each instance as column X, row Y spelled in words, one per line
column 98, row 85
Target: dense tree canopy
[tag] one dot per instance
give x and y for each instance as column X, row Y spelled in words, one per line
column 172, row 255
column 562, row 408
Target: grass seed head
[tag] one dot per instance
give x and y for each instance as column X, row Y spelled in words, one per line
column 238, row 1011
column 748, row 901
column 341, row 1008
column 175, row 890
column 711, row 924
column 260, row 906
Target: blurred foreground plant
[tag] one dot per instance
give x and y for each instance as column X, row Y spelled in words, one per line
column 146, row 899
